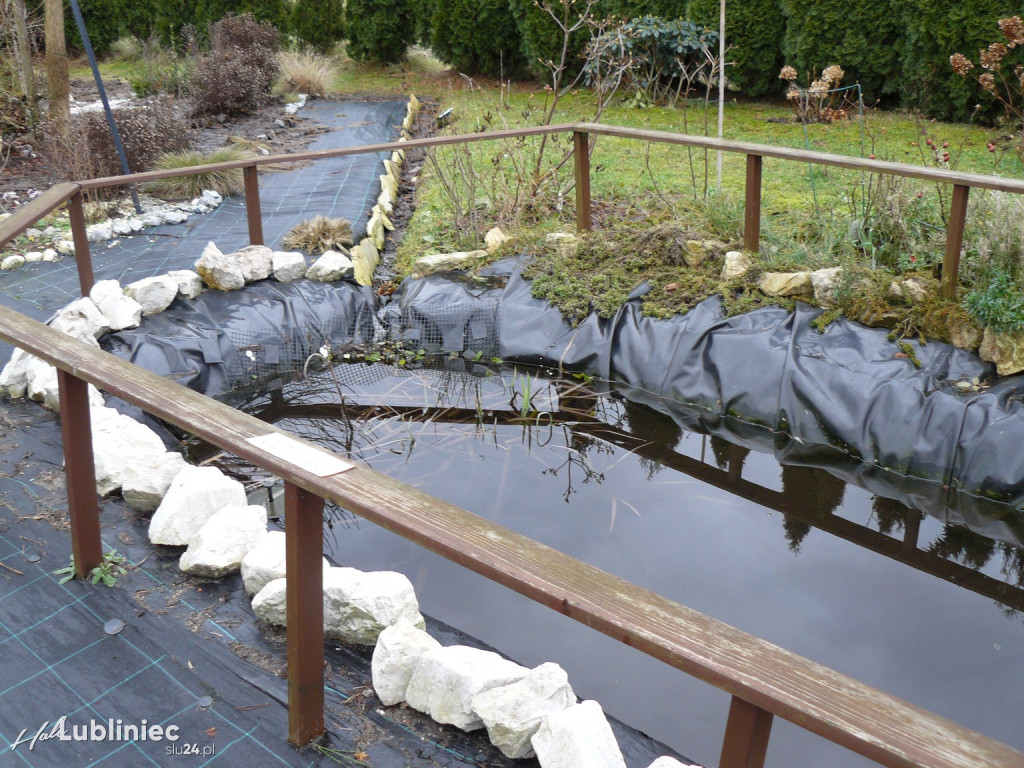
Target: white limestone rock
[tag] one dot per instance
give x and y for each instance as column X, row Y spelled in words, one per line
column 270, row 605
column 443, row 262
column 154, row 294
column 398, row 650
column 256, row 262
column 146, row 479
column 211, row 198
column 513, row 713
column 737, row 264
column 330, row 267
column 119, row 441
column 95, row 233
column 50, row 254
column 266, row 562
column 358, row 605
column 41, row 385
column 670, row 762
column 14, row 376
column 564, row 243
column 121, row 311
column 218, row 271
column 65, row 247
column 375, row 228
column 577, row 737
column 14, row 261
column 786, row 284
column 121, row 227
column 195, row 495
column 445, row 681
column 494, row 239
column 190, row 285
column 81, row 319
column 174, row 217
column 825, row 283
column 33, row 256
column 227, row 537
column 365, row 258
column 289, row 266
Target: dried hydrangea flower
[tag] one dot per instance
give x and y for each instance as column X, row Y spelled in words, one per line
column 990, row 59
column 833, row 74
column 1013, row 30
column 793, row 93
column 818, row 87
column 788, row 73
column 961, row 64
column 988, row 82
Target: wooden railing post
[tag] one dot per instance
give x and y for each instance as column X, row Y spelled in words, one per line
column 752, row 205
column 83, row 259
column 80, row 472
column 252, row 204
column 746, row 735
column 581, row 149
column 954, row 241
column 304, row 613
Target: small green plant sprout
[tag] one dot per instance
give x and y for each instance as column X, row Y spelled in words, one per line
column 107, row 571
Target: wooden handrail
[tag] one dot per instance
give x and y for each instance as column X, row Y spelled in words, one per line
column 38, row 208
column 765, row 678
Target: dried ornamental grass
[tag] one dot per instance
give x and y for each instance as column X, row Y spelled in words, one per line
column 320, row 234
column 226, row 182
column 306, row 72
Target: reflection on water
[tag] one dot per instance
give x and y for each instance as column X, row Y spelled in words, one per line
column 897, row 582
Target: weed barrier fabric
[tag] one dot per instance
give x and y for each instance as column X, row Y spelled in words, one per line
column 848, row 391
column 228, row 341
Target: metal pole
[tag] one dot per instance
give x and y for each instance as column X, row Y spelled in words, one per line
column 84, row 34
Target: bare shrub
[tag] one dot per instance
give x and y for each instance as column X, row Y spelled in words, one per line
column 237, row 75
column 147, row 130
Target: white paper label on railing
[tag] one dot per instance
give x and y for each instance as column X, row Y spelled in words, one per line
column 311, row 459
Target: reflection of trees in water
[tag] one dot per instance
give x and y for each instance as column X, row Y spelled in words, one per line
column 890, row 515
column 964, row 546
column 818, row 492
column 657, row 428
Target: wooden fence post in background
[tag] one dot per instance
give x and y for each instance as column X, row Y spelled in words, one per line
column 752, row 205
column 581, row 147
column 954, row 241
column 252, row 204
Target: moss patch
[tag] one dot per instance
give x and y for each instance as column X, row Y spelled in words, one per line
column 608, row 265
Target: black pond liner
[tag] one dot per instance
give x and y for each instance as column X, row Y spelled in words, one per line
column 840, row 400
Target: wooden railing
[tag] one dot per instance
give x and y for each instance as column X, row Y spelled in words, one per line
column 763, row 679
